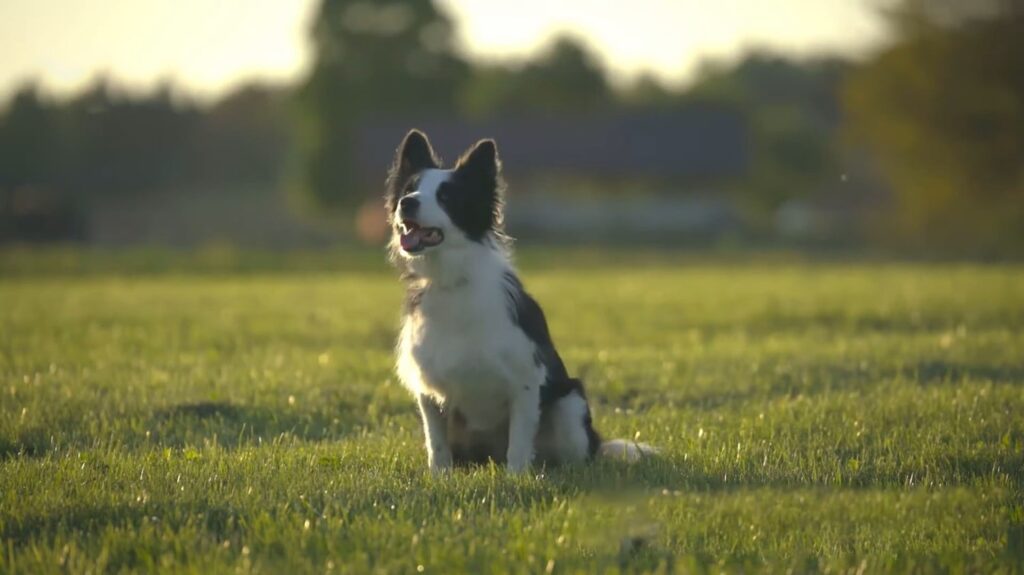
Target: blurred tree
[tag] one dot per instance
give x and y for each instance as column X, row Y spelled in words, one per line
column 369, row 59
column 647, row 91
column 29, row 141
column 565, row 77
column 794, row 117
column 123, row 144
column 943, row 111
column 33, row 204
column 244, row 138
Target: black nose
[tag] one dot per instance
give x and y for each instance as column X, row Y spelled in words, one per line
column 408, row 206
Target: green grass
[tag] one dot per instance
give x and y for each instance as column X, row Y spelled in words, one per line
column 812, row 416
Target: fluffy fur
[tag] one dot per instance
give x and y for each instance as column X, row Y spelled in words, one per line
column 474, row 348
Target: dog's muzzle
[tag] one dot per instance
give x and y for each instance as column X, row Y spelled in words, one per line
column 415, row 238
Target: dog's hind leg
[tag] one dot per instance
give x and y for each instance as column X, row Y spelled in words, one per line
column 566, row 434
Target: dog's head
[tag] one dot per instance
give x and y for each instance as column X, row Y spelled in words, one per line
column 431, row 208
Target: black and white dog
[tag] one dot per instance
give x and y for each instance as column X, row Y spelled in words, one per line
column 474, row 347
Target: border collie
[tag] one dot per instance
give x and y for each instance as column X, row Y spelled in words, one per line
column 474, row 348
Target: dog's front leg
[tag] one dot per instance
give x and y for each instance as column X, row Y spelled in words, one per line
column 439, row 454
column 524, row 418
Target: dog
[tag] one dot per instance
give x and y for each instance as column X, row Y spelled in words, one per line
column 474, row 348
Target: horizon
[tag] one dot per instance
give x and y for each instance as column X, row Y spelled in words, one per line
column 267, row 42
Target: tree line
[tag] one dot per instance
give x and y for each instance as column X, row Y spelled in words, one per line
column 930, row 129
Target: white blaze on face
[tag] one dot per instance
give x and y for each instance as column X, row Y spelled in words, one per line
column 431, row 214
column 431, row 180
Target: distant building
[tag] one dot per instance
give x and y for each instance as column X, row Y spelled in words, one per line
column 695, row 144
column 682, row 157
column 679, row 158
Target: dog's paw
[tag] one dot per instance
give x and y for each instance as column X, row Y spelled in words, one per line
column 439, row 470
column 440, row 462
column 518, row 465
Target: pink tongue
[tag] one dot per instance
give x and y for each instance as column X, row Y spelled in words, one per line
column 410, row 240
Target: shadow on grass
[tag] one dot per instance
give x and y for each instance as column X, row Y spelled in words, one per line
column 227, row 424
column 779, row 381
column 85, row 520
column 231, row 425
column 839, row 321
column 939, row 372
column 79, row 519
column 226, row 521
column 661, row 473
column 608, row 488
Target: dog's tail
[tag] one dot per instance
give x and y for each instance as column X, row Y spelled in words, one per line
column 626, row 450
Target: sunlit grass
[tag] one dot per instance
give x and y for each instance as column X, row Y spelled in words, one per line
column 811, row 416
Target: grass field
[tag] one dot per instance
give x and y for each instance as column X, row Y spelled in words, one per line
column 812, row 416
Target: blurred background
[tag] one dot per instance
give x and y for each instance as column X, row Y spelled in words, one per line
column 876, row 125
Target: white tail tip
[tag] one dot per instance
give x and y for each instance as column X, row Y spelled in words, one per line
column 625, row 450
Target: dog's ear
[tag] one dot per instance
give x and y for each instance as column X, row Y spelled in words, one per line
column 413, row 155
column 480, row 169
column 481, row 162
column 415, row 152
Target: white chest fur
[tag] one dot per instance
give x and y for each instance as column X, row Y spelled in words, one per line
column 461, row 346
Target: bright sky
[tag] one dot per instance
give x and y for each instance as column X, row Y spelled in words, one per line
column 208, row 46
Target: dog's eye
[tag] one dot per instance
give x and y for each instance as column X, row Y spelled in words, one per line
column 443, row 194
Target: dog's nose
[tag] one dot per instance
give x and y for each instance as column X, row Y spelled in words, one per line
column 408, row 206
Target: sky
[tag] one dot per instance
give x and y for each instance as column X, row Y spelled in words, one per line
column 209, row 46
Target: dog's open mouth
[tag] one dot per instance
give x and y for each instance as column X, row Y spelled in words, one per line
column 415, row 238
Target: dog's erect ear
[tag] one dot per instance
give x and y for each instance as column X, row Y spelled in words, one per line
column 414, row 154
column 480, row 169
column 481, row 161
